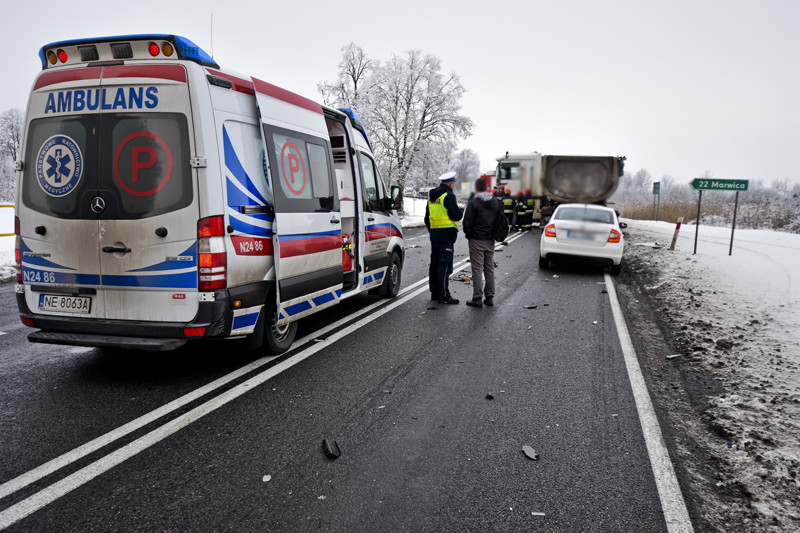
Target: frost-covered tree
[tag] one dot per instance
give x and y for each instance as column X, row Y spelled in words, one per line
column 410, row 109
column 414, row 105
column 352, row 85
column 467, row 166
column 11, row 124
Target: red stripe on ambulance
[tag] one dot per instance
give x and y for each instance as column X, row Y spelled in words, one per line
column 239, row 84
column 310, row 246
column 251, row 245
column 64, row 76
column 287, row 96
column 162, row 72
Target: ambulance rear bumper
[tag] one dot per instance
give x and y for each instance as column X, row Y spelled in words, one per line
column 146, row 344
column 213, row 318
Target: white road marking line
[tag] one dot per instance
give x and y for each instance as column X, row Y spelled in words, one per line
column 55, row 491
column 672, row 502
column 48, row 468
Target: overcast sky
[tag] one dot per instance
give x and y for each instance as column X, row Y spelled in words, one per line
column 679, row 87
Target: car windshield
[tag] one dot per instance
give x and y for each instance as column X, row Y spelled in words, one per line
column 585, row 214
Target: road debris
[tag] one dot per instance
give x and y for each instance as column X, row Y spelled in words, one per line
column 673, row 356
column 490, row 396
column 266, row 478
column 530, row 452
column 331, row 448
column 531, row 306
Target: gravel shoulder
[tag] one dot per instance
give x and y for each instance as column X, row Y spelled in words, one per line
column 724, row 372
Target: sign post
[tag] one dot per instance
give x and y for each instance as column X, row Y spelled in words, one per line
column 709, row 184
column 656, row 194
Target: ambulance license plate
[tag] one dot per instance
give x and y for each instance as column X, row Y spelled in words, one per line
column 65, row 304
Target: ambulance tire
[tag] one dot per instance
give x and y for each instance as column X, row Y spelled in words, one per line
column 391, row 285
column 277, row 339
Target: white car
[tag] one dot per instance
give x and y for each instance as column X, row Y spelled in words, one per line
column 583, row 231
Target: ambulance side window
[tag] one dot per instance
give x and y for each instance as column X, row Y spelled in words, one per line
column 302, row 170
column 374, row 191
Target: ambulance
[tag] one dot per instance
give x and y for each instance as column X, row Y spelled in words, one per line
column 162, row 199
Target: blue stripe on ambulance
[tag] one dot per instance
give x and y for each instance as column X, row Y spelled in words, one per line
column 240, row 174
column 306, row 305
column 245, row 227
column 241, row 191
column 183, row 280
column 174, row 264
column 245, row 321
column 37, row 261
column 49, row 277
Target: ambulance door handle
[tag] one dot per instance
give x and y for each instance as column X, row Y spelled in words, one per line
column 116, row 249
column 334, row 220
column 371, row 219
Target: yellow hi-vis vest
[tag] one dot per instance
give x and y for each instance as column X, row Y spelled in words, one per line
column 437, row 214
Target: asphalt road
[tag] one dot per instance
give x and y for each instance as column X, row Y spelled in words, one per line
column 405, row 397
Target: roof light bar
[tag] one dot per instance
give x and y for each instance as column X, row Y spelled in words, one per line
column 121, row 44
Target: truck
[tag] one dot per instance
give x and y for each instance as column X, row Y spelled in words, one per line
column 554, row 179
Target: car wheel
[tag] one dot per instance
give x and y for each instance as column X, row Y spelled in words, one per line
column 391, row 285
column 278, row 338
column 614, row 270
column 544, row 263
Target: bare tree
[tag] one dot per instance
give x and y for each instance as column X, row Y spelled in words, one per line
column 351, row 87
column 11, row 124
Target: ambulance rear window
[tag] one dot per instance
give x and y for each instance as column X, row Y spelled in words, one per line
column 147, row 163
column 137, row 164
column 56, row 170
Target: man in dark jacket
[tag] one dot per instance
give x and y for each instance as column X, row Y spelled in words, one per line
column 441, row 218
column 479, row 223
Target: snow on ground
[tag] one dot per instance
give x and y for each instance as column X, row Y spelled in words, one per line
column 7, row 271
column 734, row 319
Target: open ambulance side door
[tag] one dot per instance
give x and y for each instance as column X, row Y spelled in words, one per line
column 307, row 230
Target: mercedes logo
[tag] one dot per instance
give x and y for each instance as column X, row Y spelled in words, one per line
column 98, row 204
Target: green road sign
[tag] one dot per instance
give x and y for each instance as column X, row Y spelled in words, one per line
column 656, row 187
column 703, row 184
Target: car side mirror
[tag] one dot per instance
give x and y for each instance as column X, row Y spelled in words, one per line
column 622, row 225
column 397, row 198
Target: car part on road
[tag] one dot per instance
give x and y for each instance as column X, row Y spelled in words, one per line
column 530, row 452
column 331, row 448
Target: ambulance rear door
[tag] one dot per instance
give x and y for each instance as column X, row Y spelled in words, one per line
column 58, row 230
column 149, row 213
column 307, row 229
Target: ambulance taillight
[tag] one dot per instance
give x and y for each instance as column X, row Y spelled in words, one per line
column 17, row 250
column 212, row 274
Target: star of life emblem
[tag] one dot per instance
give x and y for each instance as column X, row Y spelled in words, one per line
column 59, row 165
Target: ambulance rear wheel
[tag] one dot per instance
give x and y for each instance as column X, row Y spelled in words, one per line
column 277, row 338
column 391, row 285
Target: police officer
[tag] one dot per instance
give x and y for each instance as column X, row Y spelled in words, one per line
column 441, row 218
